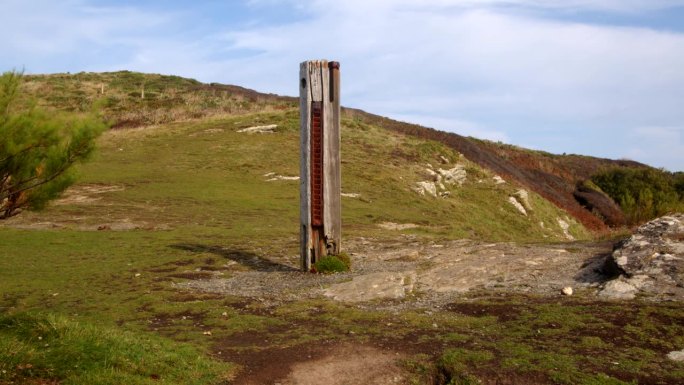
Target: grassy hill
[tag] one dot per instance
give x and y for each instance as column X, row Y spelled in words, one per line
column 176, row 193
column 129, row 99
column 204, row 172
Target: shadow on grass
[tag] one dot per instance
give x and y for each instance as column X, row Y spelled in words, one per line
column 243, row 257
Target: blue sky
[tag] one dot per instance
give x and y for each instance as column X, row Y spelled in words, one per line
column 593, row 77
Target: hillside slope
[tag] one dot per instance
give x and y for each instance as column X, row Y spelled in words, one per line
column 129, row 99
column 209, row 175
column 555, row 177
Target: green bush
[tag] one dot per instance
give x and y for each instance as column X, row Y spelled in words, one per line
column 643, row 193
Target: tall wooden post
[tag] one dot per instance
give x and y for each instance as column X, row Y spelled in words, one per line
column 320, row 181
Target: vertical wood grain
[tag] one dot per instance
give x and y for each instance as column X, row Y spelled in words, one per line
column 319, row 83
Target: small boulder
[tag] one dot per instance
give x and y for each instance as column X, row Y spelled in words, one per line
column 677, row 356
column 567, row 291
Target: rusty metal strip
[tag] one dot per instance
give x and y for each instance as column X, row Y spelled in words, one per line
column 316, row 163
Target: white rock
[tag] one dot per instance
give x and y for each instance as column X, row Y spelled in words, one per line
column 282, row 177
column 517, row 205
column 565, row 226
column 426, row 187
column 524, row 198
column 676, row 355
column 498, row 180
column 456, row 175
column 567, row 291
column 267, row 129
column 351, row 195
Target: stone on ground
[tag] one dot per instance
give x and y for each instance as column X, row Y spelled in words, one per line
column 676, row 356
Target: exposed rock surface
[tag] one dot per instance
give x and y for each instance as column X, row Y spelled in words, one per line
column 425, row 187
column 351, row 195
column 267, row 129
column 456, row 175
column 676, row 356
column 524, row 198
column 518, row 206
column 437, row 181
column 565, row 227
column 275, row 177
column 651, row 261
column 381, row 285
column 409, row 274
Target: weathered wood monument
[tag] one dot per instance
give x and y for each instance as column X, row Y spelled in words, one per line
column 320, row 180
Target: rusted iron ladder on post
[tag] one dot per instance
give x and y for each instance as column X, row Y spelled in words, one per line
column 320, row 180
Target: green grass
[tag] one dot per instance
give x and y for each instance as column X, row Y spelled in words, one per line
column 54, row 348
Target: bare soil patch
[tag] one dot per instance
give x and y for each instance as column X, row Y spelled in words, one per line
column 331, row 363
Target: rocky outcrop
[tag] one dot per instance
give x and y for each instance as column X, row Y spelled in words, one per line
column 456, row 175
column 650, row 262
column 437, row 182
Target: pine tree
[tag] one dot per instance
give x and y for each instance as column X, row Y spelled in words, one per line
column 38, row 148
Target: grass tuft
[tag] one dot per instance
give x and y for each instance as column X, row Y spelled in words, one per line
column 333, row 264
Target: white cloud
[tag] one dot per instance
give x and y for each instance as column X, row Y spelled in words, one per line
column 486, row 68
